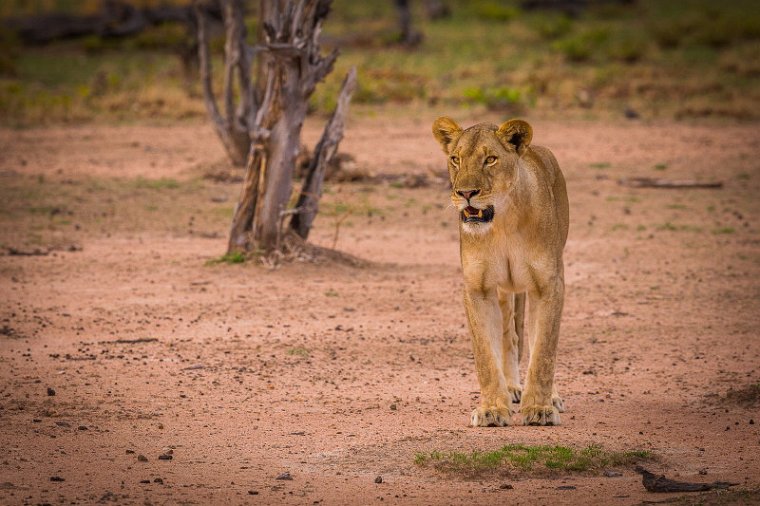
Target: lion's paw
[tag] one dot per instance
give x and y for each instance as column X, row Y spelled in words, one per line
column 558, row 403
column 540, row 415
column 490, row 417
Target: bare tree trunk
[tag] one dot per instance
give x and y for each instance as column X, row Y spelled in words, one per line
column 270, row 111
column 311, row 191
column 409, row 36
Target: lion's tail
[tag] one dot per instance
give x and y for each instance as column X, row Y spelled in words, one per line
column 520, row 323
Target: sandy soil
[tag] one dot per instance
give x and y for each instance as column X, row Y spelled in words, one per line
column 340, row 374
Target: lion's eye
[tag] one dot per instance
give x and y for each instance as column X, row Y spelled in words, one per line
column 490, row 160
column 454, row 160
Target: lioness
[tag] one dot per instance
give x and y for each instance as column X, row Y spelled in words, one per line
column 514, row 217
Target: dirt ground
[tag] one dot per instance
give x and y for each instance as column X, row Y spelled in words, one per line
column 340, row 374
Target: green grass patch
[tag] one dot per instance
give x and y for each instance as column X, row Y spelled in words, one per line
column 164, row 183
column 671, row 227
column 229, row 258
column 299, row 351
column 600, row 165
column 723, row 230
column 527, row 458
column 660, row 166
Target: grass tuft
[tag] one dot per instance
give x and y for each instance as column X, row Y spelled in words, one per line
column 526, row 458
column 229, row 258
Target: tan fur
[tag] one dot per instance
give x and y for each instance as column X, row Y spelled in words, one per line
column 519, row 252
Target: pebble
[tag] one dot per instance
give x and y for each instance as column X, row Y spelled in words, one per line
column 165, row 456
column 394, row 407
column 566, row 487
column 379, row 479
column 142, row 458
column 506, row 486
column 609, row 473
column 56, row 478
column 50, row 391
column 284, row 476
column 160, row 481
column 253, row 492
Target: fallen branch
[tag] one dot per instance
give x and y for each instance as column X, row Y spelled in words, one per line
column 654, row 483
column 648, row 182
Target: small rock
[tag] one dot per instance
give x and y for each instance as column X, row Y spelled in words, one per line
column 165, row 456
column 566, row 487
column 142, row 458
column 82, row 427
column 284, row 476
column 751, row 421
column 130, row 452
column 36, row 420
column 145, row 481
column 703, row 471
column 50, row 391
column 506, row 486
column 609, row 473
column 253, row 492
column 394, row 407
column 159, row 481
column 379, row 479
column 63, row 424
column 160, row 426
column 631, row 113
column 56, row 478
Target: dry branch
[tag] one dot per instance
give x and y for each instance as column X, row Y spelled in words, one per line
column 324, row 152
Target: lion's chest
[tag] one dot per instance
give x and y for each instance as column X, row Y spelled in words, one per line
column 511, row 266
column 504, row 263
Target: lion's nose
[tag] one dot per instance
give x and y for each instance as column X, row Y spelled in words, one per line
column 468, row 194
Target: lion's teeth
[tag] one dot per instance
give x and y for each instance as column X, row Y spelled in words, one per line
column 480, row 213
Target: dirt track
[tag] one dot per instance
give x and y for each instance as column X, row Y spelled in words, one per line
column 245, row 372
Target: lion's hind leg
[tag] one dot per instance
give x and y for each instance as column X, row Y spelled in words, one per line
column 511, row 343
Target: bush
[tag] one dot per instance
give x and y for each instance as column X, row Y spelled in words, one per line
column 494, row 11
column 581, row 47
column 497, row 98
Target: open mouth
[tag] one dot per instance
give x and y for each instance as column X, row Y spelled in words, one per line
column 473, row 215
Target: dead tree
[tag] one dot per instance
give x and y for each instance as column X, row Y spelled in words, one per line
column 264, row 127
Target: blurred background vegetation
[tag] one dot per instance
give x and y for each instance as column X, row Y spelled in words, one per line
column 646, row 58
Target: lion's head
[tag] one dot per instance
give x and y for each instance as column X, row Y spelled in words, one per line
column 482, row 166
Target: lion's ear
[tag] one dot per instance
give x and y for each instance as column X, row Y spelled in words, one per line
column 446, row 131
column 516, row 132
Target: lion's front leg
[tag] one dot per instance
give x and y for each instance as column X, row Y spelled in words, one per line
column 538, row 404
column 484, row 317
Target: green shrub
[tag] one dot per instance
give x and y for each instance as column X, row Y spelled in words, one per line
column 553, row 27
column 496, row 98
column 494, row 11
column 582, row 46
